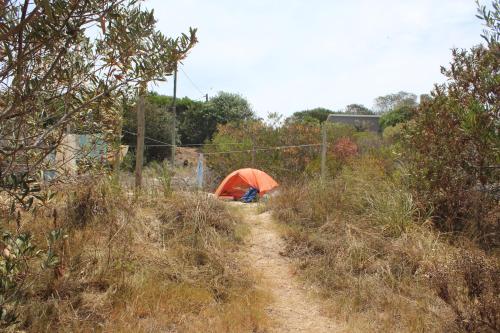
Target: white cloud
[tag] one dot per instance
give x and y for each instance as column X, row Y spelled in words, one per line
column 290, row 55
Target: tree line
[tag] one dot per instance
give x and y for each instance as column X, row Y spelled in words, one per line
column 197, row 121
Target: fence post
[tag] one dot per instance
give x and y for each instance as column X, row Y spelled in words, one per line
column 323, row 152
column 139, row 154
column 253, row 155
column 199, row 171
column 174, row 118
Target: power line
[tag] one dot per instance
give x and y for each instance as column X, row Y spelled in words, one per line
column 148, row 138
column 192, row 82
column 193, row 145
column 242, row 151
column 263, row 149
column 164, row 144
column 214, row 144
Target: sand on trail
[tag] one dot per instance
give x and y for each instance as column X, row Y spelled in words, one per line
column 293, row 308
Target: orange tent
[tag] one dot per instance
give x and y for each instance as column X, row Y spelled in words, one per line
column 239, row 181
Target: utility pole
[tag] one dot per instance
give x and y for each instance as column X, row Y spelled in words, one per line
column 323, row 153
column 206, row 97
column 174, row 116
column 139, row 154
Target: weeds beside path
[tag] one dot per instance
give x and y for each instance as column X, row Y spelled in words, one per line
column 292, row 309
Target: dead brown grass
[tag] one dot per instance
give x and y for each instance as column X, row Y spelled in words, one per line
column 379, row 267
column 144, row 264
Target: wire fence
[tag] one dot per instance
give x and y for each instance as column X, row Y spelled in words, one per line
column 286, row 156
column 195, row 162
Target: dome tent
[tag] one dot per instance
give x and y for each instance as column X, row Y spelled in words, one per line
column 238, row 182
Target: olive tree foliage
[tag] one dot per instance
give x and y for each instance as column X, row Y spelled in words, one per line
column 491, row 19
column 69, row 64
column 64, row 65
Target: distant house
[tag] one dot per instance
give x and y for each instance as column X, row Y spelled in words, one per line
column 78, row 148
column 361, row 122
column 74, row 149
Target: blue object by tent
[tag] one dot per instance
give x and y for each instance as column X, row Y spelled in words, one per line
column 249, row 195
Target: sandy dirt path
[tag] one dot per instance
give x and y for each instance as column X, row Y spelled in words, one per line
column 293, row 308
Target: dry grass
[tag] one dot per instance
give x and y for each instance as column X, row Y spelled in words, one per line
column 140, row 265
column 357, row 239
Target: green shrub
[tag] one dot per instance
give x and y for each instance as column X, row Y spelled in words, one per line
column 283, row 164
column 452, row 145
column 400, row 114
column 393, row 134
column 286, row 164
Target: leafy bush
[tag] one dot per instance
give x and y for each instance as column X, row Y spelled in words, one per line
column 393, row 134
column 290, row 164
column 454, row 161
column 280, row 163
column 396, row 116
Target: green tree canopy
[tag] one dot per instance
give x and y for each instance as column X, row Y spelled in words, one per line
column 196, row 121
column 232, row 107
column 398, row 115
column 159, row 121
column 185, row 108
column 199, row 121
column 357, row 109
column 390, row 102
column 316, row 115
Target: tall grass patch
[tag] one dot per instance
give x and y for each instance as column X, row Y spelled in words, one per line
column 142, row 264
column 359, row 239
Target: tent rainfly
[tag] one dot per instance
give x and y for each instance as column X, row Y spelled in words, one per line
column 238, row 182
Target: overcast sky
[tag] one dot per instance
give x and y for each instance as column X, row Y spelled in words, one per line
column 290, row 55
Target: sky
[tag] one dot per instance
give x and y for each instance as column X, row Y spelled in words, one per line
column 290, row 55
